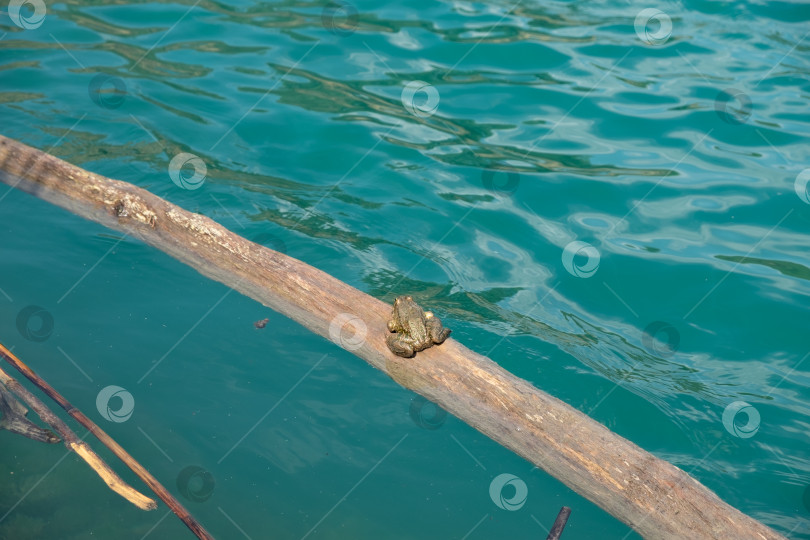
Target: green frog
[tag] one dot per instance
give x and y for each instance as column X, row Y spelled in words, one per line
column 415, row 329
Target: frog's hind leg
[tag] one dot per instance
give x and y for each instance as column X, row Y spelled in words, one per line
column 436, row 331
column 399, row 346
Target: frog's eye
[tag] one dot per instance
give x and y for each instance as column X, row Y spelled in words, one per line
column 408, row 298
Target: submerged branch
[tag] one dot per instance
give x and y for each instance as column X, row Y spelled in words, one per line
column 14, row 417
column 80, row 447
column 73, row 443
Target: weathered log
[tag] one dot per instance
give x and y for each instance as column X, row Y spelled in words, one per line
column 651, row 495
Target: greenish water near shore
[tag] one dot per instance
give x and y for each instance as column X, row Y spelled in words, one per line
column 608, row 202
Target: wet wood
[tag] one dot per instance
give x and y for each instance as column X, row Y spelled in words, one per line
column 104, row 471
column 652, row 496
column 14, row 417
column 559, row 524
column 73, row 443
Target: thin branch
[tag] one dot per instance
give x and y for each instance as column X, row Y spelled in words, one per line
column 81, row 448
column 74, row 443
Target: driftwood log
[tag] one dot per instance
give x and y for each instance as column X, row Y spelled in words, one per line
column 650, row 495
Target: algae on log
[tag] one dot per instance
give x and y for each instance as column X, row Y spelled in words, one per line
column 652, row 496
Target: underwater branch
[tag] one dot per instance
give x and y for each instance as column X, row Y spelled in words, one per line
column 113, row 481
column 17, row 413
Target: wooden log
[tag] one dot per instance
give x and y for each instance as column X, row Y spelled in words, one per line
column 652, row 496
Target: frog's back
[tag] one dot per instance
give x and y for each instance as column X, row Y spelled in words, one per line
column 417, row 330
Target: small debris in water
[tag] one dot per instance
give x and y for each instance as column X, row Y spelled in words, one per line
column 262, row 323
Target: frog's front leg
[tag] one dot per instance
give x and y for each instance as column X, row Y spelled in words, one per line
column 436, row 331
column 400, row 345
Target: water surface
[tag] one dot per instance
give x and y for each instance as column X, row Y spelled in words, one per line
column 607, row 202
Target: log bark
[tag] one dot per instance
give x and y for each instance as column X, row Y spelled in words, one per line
column 650, row 495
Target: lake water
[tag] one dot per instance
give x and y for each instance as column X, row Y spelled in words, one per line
column 609, row 199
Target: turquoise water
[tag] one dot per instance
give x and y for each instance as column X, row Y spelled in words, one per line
column 608, row 202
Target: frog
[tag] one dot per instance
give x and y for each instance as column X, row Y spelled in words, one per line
column 415, row 330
